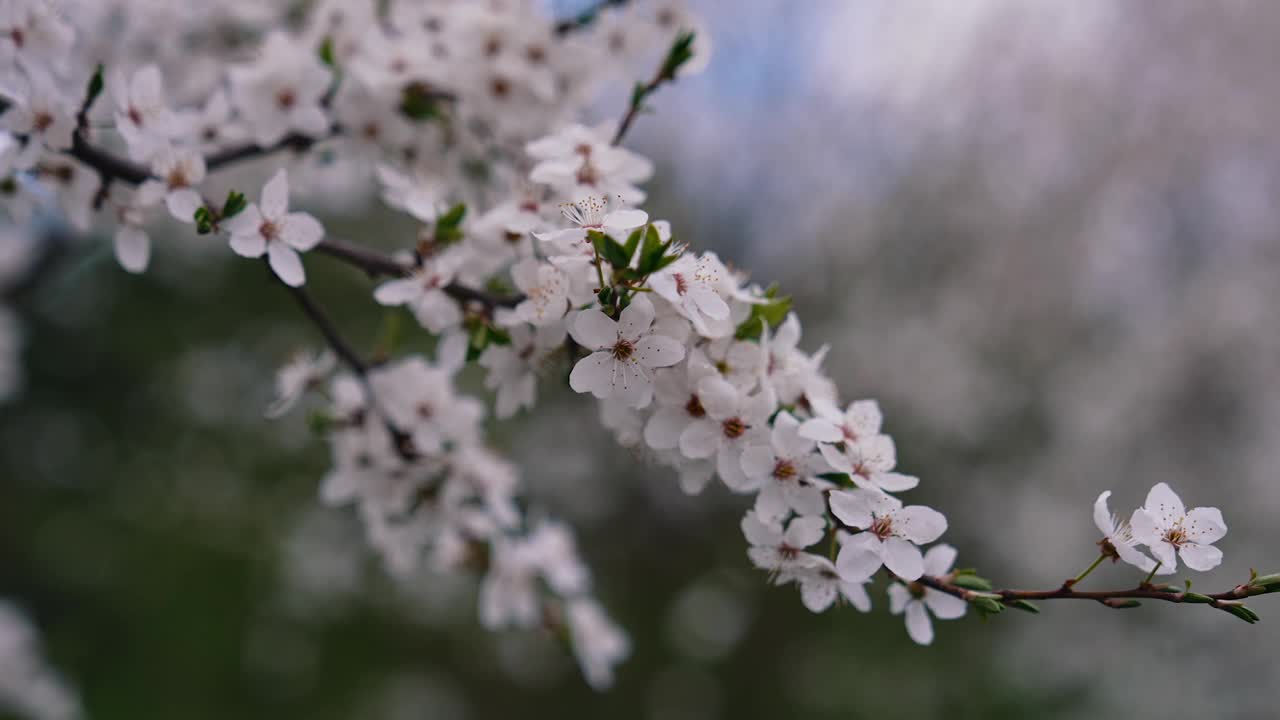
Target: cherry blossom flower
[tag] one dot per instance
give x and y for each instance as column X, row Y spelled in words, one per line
column 693, row 285
column 598, row 642
column 821, row 584
column 424, row 291
column 179, row 171
column 783, row 469
column 143, row 117
column 579, row 161
column 678, row 404
column 1117, row 538
column 36, row 35
column 546, row 290
column 213, row 126
column 1165, row 526
column 624, row 353
column 862, row 419
column 892, row 533
column 302, row 372
column 44, row 114
column 917, row 601
column 869, row 463
column 513, row 367
column 282, row 91
column 733, row 418
column 775, row 549
column 593, row 213
column 269, row 228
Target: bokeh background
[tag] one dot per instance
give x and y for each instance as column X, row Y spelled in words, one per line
column 1042, row 234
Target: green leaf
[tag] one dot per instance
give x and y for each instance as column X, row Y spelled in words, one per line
column 971, row 582
column 838, row 478
column 652, row 252
column 1194, row 597
column 95, row 87
column 680, row 53
column 1243, row 613
column 609, row 249
column 986, row 605
column 234, row 204
column 453, row 217
column 1267, row 582
column 1025, row 606
column 771, row 313
column 633, row 242
column 1123, row 604
column 326, row 51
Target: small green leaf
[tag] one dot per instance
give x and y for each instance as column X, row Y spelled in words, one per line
column 838, row 478
column 319, row 422
column 633, row 242
column 652, row 251
column 95, row 87
column 234, row 204
column 1122, row 604
column 1024, row 606
column 1194, row 597
column 1268, row 582
column 419, row 102
column 326, row 51
column 609, row 249
column 971, row 582
column 680, row 53
column 1242, row 612
column 986, row 605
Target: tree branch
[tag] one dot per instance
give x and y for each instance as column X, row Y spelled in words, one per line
column 585, row 18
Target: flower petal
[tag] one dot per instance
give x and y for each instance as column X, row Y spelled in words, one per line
column 1200, row 557
column 398, row 292
column 286, row 264
column 133, row 248
column 903, row 559
column 301, row 231
column 1204, row 525
column 594, row 330
column 850, row 508
column 637, row 318
column 593, row 373
column 939, row 559
column 658, row 350
column 919, row 626
column 275, row 196
column 920, row 524
column 1164, row 505
column 944, row 606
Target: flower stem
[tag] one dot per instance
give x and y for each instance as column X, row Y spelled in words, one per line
column 1089, row 569
column 1151, row 574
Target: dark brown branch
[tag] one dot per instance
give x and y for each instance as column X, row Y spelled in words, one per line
column 328, row 330
column 378, row 264
column 1220, row 600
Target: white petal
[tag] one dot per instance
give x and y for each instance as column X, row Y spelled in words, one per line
column 851, row 509
column 398, row 292
column 700, row 439
column 835, row 458
column 133, row 248
column 856, row 594
column 301, row 231
column 920, row 524
column 594, row 330
column 625, row 219
column 805, row 531
column 946, row 607
column 247, row 222
column 894, row 482
column 719, row 398
column 663, row 430
column 637, row 318
column 758, row 461
column 858, row 561
column 1165, row 553
column 1200, row 557
column 903, row 559
column 286, row 264
column 183, row 203
column 758, row 532
column 821, row 430
column 1102, row 514
column 249, row 245
column 939, row 559
column 1164, row 505
column 919, row 626
column 275, row 196
column 631, row 385
column 593, row 374
column 899, row 596
column 657, row 351
column 1144, row 528
column 730, row 471
column 817, row 594
column 1204, row 525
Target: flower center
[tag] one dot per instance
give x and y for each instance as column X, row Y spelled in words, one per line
column 41, row 121
column 500, row 87
column 135, row 116
column 734, row 428
column 785, row 470
column 177, row 178
column 269, row 230
column 18, row 38
column 623, row 350
column 587, row 175
column 425, row 411
column 881, row 527
column 694, row 407
column 682, row 285
column 1175, row 536
column 286, row 99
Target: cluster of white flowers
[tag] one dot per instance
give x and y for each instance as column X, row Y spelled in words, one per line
column 531, row 248
column 28, row 687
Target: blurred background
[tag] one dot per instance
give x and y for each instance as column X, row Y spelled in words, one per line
column 1042, row 234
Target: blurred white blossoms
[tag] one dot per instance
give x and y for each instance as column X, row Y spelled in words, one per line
column 1165, row 526
column 624, row 353
column 269, row 228
column 281, row 91
column 302, row 373
column 918, row 601
column 28, row 687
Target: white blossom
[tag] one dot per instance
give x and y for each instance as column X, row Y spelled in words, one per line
column 1165, row 526
column 892, row 533
column 918, row 601
column 624, row 353
column 269, row 228
column 1118, row 536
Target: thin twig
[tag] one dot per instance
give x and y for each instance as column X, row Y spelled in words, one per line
column 1142, row 592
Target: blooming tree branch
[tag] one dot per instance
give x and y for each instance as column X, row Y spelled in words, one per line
column 531, row 239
